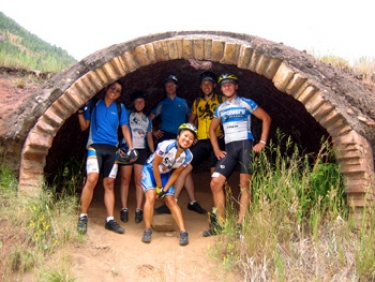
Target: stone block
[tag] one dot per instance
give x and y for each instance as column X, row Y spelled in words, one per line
column 244, row 57
column 282, row 77
column 163, row 223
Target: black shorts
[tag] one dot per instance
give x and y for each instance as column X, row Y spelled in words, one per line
column 239, row 152
column 142, row 157
column 101, row 159
column 203, row 150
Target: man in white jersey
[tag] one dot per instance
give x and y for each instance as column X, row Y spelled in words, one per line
column 235, row 116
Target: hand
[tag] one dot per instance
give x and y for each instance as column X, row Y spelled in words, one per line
column 162, row 194
column 158, row 190
column 158, row 134
column 258, row 147
column 220, row 154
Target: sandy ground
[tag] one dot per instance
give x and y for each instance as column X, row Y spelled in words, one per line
column 107, row 256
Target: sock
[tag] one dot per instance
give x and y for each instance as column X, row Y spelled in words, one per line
column 109, row 218
column 124, row 209
column 83, row 215
column 192, row 202
column 138, row 209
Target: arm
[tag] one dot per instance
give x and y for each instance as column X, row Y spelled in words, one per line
column 127, row 135
column 266, row 124
column 192, row 118
column 150, row 142
column 172, row 179
column 155, row 169
column 157, row 133
column 215, row 144
column 83, row 123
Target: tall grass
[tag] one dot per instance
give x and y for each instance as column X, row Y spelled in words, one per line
column 32, row 229
column 298, row 227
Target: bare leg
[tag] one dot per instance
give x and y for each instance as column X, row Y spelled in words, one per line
column 245, row 195
column 138, row 185
column 189, row 186
column 88, row 191
column 109, row 195
column 218, row 194
column 179, row 184
column 148, row 208
column 175, row 211
column 126, row 175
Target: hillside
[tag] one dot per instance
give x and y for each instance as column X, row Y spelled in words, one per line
column 22, row 49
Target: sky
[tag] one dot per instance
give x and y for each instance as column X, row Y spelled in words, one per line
column 342, row 28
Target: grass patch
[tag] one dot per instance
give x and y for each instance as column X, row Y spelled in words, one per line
column 33, row 229
column 299, row 227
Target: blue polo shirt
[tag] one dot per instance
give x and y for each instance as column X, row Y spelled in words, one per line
column 104, row 123
column 172, row 113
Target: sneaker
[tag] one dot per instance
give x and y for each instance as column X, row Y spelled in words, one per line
column 82, row 224
column 114, row 226
column 197, row 208
column 124, row 215
column 138, row 216
column 212, row 231
column 146, row 238
column 184, row 238
column 162, row 209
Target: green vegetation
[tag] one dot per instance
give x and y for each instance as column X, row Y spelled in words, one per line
column 34, row 232
column 299, row 227
column 22, row 49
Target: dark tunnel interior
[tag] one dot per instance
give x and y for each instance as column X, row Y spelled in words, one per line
column 288, row 115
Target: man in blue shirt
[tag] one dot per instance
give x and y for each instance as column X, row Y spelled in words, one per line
column 173, row 111
column 102, row 144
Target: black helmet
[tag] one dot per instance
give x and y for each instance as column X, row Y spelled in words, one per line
column 188, row 126
column 138, row 94
column 169, row 78
column 227, row 78
column 127, row 156
column 208, row 75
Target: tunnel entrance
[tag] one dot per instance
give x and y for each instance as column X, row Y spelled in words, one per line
column 302, row 95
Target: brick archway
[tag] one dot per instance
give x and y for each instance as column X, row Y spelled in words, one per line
column 273, row 61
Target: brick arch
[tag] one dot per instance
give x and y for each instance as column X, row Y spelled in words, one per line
column 254, row 54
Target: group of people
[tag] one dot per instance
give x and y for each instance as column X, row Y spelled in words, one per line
column 217, row 126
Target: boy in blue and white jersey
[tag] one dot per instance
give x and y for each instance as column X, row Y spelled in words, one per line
column 235, row 116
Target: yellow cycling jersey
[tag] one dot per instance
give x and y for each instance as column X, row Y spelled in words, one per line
column 204, row 112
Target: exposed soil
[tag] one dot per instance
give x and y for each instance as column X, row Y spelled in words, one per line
column 107, row 256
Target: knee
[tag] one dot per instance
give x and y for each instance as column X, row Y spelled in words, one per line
column 170, row 201
column 216, row 185
column 92, row 180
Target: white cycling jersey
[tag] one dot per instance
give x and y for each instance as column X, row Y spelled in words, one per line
column 235, row 117
column 167, row 150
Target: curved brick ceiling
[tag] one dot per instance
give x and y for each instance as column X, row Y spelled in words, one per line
column 289, row 84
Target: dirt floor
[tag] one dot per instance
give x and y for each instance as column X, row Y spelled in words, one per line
column 107, row 256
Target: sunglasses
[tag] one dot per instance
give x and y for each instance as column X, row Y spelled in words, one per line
column 118, row 90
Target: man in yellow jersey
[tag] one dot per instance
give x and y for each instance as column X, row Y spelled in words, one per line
column 201, row 114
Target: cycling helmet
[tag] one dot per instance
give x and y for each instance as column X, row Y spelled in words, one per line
column 227, row 78
column 169, row 78
column 126, row 156
column 138, row 94
column 188, row 126
column 207, row 75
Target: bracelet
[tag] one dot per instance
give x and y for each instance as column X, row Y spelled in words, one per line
column 80, row 112
column 263, row 142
